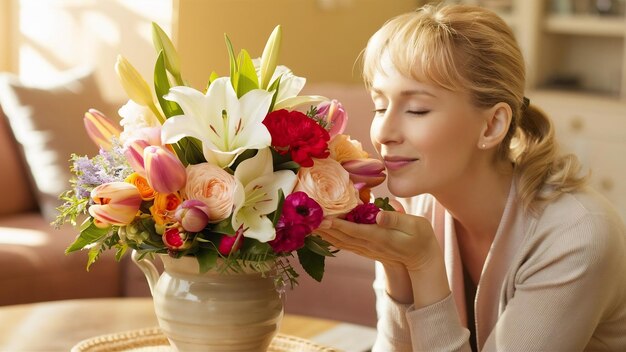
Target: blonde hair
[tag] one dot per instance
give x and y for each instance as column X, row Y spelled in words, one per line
column 469, row 48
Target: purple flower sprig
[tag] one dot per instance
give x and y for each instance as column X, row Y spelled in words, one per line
column 107, row 166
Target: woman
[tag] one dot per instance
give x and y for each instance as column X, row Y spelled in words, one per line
column 502, row 247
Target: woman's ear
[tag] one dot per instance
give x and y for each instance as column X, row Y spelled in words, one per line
column 497, row 122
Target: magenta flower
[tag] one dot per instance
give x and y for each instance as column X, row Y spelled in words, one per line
column 289, row 238
column 363, row 214
column 301, row 215
column 230, row 244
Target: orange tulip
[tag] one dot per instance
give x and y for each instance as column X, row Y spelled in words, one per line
column 100, row 129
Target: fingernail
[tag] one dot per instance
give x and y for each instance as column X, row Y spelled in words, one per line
column 379, row 218
column 325, row 224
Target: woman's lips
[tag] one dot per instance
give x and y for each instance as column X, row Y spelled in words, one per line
column 394, row 163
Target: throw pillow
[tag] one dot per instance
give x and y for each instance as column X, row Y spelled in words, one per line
column 47, row 122
column 14, row 178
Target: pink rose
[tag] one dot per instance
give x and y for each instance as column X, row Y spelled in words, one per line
column 213, row 186
column 328, row 183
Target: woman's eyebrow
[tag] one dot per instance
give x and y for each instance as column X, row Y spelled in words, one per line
column 409, row 92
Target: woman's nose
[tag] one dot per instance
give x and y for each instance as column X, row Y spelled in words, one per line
column 385, row 128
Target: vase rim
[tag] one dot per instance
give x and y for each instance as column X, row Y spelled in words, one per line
column 189, row 264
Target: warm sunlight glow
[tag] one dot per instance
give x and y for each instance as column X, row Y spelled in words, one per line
column 103, row 27
column 23, row 237
column 56, row 36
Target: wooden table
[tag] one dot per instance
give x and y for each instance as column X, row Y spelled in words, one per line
column 59, row 325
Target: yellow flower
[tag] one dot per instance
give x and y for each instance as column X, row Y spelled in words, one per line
column 164, row 206
column 146, row 192
column 135, row 86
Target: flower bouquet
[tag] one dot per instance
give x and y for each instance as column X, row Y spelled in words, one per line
column 243, row 171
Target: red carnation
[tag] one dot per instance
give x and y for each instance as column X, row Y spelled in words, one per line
column 295, row 133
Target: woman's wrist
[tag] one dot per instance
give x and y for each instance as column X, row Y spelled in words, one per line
column 429, row 283
column 399, row 286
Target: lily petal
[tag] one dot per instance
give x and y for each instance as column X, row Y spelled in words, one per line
column 294, row 102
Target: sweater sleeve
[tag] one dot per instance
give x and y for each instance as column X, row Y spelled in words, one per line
column 437, row 327
column 393, row 328
column 564, row 289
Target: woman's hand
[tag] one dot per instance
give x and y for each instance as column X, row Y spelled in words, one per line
column 405, row 245
column 397, row 239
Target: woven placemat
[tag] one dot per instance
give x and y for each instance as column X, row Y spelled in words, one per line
column 153, row 340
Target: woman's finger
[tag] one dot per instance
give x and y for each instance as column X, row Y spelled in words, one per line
column 394, row 220
column 397, row 206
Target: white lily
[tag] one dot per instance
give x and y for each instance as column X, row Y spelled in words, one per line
column 256, row 195
column 289, row 88
column 225, row 125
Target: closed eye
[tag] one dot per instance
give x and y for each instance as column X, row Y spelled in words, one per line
column 418, row 112
column 380, row 111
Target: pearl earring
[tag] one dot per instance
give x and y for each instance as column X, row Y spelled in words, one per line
column 483, row 146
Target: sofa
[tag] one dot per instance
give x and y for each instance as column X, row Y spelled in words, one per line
column 40, row 126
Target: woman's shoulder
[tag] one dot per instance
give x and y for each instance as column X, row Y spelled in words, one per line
column 582, row 222
column 582, row 206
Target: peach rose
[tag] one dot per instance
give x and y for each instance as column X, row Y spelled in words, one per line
column 342, row 148
column 329, row 184
column 164, row 206
column 213, row 186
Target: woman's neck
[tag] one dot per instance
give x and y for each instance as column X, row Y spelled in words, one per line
column 477, row 207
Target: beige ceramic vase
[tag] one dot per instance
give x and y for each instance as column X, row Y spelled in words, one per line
column 212, row 311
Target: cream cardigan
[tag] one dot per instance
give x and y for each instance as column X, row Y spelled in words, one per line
column 554, row 282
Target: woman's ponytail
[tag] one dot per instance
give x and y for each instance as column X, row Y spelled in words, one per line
column 542, row 172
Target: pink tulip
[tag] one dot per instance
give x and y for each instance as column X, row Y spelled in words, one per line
column 164, row 171
column 175, row 240
column 367, row 172
column 335, row 116
column 100, row 129
column 134, row 155
column 116, row 203
column 193, row 215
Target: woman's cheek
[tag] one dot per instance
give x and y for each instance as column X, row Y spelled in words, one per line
column 374, row 130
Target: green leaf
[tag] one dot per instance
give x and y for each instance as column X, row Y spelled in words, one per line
column 162, row 87
column 163, row 43
column 212, row 78
column 94, row 253
column 318, row 245
column 206, row 259
column 233, row 62
column 121, row 250
column 89, row 233
column 279, row 208
column 312, row 263
column 274, row 88
column 289, row 165
column 247, row 79
column 383, row 203
column 224, row 227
